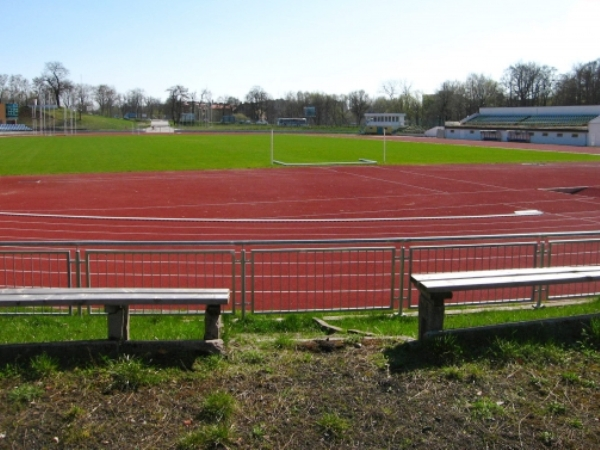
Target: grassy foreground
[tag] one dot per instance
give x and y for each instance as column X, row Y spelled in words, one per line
column 272, row 392
column 133, row 153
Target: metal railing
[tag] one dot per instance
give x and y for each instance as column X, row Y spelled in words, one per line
column 301, row 275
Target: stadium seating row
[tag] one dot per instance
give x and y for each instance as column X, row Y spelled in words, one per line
column 14, row 127
column 533, row 120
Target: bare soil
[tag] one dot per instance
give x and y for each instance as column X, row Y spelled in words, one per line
column 323, row 394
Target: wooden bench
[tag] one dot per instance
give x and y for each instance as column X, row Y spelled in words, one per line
column 117, row 301
column 435, row 288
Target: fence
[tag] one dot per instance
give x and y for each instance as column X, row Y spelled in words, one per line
column 294, row 276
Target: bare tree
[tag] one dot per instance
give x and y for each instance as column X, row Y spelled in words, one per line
column 135, row 100
column 106, row 98
column 178, row 95
column 19, row 89
column 391, row 88
column 359, row 103
column 529, row 84
column 83, row 94
column 256, row 100
column 3, row 86
column 482, row 91
column 581, row 86
column 55, row 77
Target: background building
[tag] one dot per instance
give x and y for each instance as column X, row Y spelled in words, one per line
column 561, row 125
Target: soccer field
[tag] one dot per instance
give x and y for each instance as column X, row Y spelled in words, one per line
column 142, row 153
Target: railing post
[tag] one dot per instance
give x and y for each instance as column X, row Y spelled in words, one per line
column 77, row 275
column 243, row 280
column 401, row 283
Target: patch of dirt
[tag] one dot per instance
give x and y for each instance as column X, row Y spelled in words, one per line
column 322, row 394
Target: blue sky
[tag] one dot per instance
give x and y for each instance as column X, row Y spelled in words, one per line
column 331, row 46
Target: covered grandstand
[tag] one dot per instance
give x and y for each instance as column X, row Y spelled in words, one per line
column 14, row 128
column 562, row 125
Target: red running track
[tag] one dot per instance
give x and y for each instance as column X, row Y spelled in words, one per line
column 301, row 203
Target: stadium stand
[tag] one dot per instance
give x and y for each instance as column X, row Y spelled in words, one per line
column 561, row 125
column 9, row 128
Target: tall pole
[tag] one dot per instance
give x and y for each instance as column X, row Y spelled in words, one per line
column 384, row 145
column 271, row 146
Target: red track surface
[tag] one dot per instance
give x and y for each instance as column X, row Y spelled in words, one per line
column 301, row 203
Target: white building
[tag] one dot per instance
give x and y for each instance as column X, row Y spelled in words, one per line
column 377, row 123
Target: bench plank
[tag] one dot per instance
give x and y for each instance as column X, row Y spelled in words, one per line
column 111, row 296
column 501, row 272
column 514, row 280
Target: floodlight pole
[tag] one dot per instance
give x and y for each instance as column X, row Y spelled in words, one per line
column 384, row 145
column 272, row 146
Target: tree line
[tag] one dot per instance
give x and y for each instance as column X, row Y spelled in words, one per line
column 522, row 84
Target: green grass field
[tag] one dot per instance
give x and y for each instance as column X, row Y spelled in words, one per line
column 137, row 153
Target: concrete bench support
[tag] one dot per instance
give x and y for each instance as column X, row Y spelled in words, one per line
column 431, row 312
column 212, row 323
column 117, row 317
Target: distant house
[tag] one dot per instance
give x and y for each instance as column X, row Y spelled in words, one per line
column 130, row 115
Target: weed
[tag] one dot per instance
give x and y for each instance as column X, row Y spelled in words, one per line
column 10, row 371
column 252, row 357
column 42, row 366
column 452, row 373
column 353, row 339
column 570, row 378
column 209, row 436
column 546, row 438
column 486, row 409
column 258, row 431
column 332, row 425
column 576, row 423
column 444, row 349
column 283, row 342
column 25, row 393
column 556, row 408
column 74, row 413
column 380, row 361
column 217, row 407
column 129, row 374
column 209, row 364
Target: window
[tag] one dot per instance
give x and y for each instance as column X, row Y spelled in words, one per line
column 575, row 135
column 558, row 134
column 544, row 134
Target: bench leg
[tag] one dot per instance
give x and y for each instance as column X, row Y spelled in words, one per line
column 212, row 322
column 118, row 322
column 431, row 312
